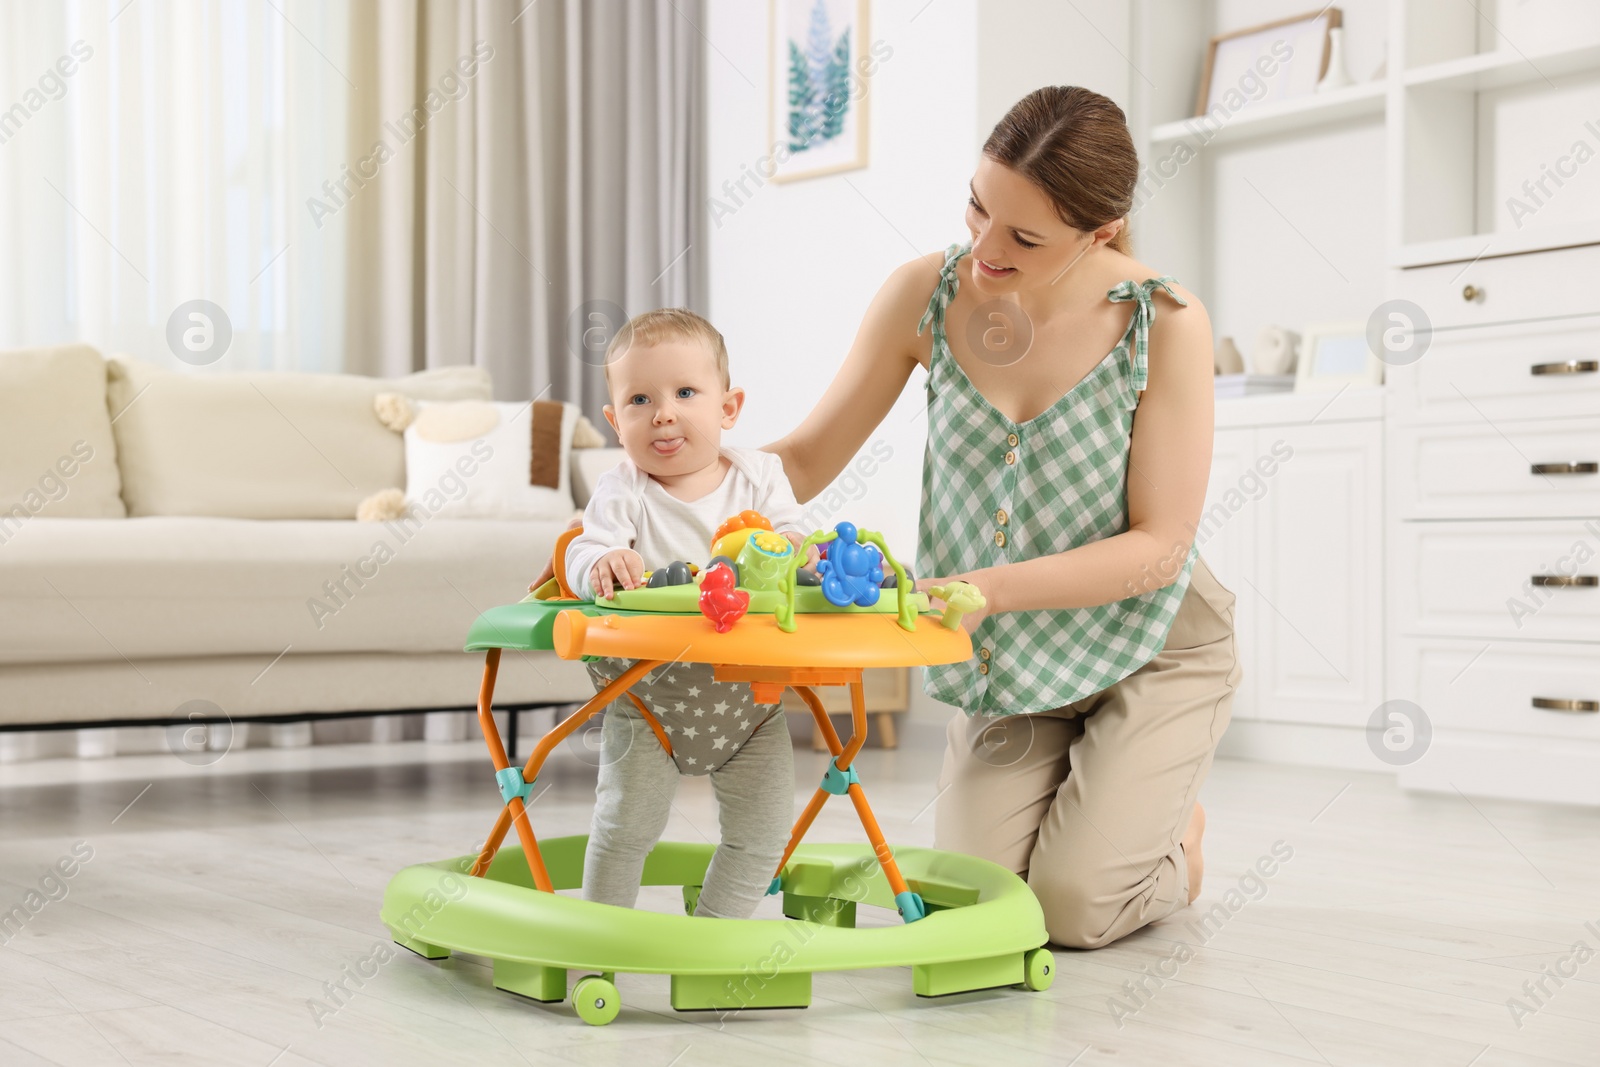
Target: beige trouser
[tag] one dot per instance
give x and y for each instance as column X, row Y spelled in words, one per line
column 1089, row 801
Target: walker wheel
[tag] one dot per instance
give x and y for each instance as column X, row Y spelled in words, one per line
column 596, row 1000
column 1038, row 969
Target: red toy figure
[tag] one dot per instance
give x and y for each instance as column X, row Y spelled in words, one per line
column 720, row 601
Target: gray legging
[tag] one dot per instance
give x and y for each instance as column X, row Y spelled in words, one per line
column 754, row 788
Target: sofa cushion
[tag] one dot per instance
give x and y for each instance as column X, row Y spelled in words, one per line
column 57, row 454
column 262, row 446
column 163, row 587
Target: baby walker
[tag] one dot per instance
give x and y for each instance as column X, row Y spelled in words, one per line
column 757, row 617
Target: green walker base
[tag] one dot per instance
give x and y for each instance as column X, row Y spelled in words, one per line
column 983, row 929
column 532, row 980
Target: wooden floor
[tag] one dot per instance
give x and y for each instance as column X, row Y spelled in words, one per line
column 220, row 905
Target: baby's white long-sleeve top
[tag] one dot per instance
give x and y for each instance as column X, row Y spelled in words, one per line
column 630, row 509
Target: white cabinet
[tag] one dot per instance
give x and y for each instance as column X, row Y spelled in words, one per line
column 1516, row 719
column 1293, row 525
column 1494, row 530
column 1321, row 576
column 1498, row 581
column 1394, row 547
column 1226, row 537
column 1535, row 468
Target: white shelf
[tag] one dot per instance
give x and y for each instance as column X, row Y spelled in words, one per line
column 1260, row 120
column 1497, row 70
column 1488, row 245
column 1357, row 403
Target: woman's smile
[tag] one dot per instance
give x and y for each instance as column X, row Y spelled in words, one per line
column 992, row 271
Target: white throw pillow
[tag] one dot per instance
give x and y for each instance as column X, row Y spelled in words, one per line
column 472, row 459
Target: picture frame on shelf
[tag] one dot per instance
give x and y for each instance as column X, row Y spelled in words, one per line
column 1287, row 56
column 818, row 71
column 1334, row 355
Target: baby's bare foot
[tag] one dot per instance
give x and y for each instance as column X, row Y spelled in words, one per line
column 1191, row 850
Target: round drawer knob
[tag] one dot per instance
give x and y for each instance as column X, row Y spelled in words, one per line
column 1470, row 293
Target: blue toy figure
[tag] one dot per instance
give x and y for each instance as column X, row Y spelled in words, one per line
column 852, row 573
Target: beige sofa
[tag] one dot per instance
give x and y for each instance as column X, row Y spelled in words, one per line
column 164, row 535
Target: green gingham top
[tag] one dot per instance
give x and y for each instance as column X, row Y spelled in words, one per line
column 996, row 491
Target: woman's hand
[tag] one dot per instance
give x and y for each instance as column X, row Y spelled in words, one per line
column 972, row 616
column 549, row 571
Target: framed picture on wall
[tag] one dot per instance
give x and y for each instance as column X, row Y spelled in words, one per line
column 818, row 69
column 1334, row 355
column 1276, row 60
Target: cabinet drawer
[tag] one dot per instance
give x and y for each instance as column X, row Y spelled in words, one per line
column 1488, row 373
column 1472, row 579
column 1460, row 685
column 1478, row 471
column 1505, row 288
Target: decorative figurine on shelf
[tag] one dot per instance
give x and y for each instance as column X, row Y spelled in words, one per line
column 852, row 573
column 1227, row 359
column 1336, row 76
column 1274, row 350
column 719, row 600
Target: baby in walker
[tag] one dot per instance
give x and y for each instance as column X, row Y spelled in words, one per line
column 671, row 398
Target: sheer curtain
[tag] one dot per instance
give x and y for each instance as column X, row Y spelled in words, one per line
column 375, row 186
column 537, row 170
column 156, row 153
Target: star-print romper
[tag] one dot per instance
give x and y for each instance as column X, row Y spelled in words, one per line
column 717, row 729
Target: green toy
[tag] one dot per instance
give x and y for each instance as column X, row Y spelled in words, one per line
column 959, row 598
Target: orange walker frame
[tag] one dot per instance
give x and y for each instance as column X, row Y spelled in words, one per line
column 767, row 684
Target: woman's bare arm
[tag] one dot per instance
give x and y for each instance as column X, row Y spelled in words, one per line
column 1169, row 466
column 867, row 385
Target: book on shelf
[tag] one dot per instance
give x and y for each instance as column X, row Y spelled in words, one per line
column 1236, row 385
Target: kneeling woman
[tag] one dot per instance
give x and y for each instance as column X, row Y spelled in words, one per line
column 1069, row 444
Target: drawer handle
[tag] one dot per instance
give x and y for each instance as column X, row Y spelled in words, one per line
column 1469, row 293
column 1586, row 467
column 1571, row 366
column 1551, row 704
column 1566, row 580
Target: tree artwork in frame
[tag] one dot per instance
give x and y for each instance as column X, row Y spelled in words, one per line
column 820, row 63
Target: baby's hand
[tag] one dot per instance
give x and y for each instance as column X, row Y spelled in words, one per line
column 620, row 566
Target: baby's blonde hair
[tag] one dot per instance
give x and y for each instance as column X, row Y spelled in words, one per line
column 663, row 324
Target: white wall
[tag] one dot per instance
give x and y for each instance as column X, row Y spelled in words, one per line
column 1024, row 44
column 1297, row 230
column 794, row 266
